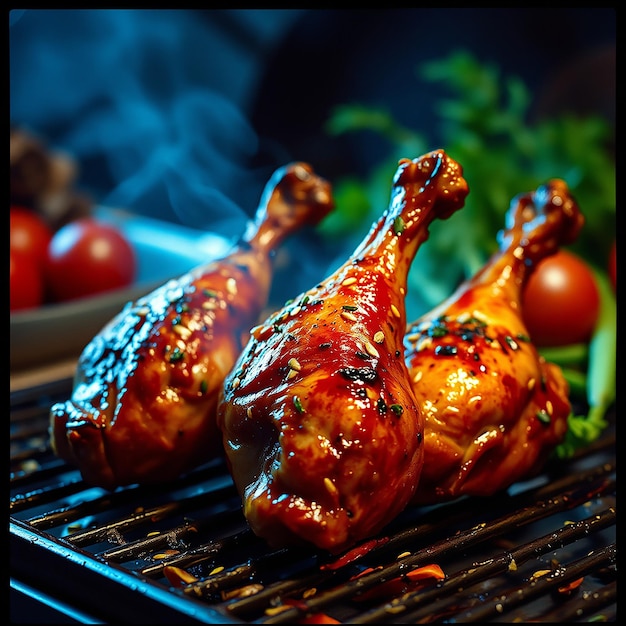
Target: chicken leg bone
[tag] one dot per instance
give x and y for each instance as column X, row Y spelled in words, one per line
column 493, row 407
column 142, row 409
column 322, row 431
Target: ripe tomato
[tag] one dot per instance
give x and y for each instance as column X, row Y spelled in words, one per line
column 86, row 257
column 561, row 301
column 612, row 265
column 29, row 233
column 26, row 281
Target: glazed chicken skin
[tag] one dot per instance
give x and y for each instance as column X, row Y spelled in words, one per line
column 321, row 428
column 143, row 405
column 494, row 408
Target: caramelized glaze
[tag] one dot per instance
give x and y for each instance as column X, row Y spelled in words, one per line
column 322, row 430
column 493, row 407
column 143, row 405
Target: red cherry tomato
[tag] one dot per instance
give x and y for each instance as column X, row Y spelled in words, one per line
column 561, row 301
column 612, row 265
column 29, row 233
column 87, row 257
column 26, row 281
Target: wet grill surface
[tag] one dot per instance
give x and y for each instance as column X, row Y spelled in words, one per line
column 183, row 552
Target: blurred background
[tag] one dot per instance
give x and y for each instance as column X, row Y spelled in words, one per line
column 182, row 115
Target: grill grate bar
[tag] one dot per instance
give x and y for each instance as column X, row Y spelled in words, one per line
column 586, row 605
column 508, row 600
column 501, row 564
column 433, row 553
column 459, row 512
column 569, row 533
column 189, row 544
column 254, row 570
column 200, row 554
column 114, row 529
column 46, row 495
column 25, row 475
column 135, row 548
column 66, row 514
column 140, row 517
column 247, row 607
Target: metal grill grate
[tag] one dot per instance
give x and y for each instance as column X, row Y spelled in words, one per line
column 183, row 552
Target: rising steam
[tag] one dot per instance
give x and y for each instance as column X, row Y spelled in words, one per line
column 131, row 95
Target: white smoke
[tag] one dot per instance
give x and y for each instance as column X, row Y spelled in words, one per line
column 134, row 93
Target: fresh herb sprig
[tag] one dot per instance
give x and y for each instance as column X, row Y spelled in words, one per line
column 485, row 125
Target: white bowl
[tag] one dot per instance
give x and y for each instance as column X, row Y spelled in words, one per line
column 60, row 331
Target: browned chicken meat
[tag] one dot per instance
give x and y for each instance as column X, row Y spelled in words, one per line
column 143, row 405
column 494, row 408
column 321, row 428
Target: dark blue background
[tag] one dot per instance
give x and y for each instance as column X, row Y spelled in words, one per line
column 183, row 114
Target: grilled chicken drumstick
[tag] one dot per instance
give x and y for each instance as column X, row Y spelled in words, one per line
column 145, row 392
column 494, row 408
column 321, row 428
